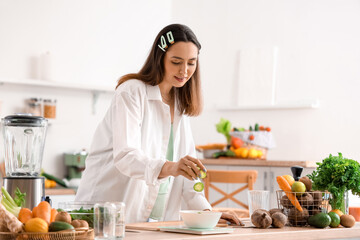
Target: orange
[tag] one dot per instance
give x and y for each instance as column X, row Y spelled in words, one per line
column 289, row 179
column 241, row 152
column 338, row 212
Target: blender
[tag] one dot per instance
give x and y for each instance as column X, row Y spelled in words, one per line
column 24, row 139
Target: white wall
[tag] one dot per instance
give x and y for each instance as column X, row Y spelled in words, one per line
column 91, row 42
column 95, row 42
column 319, row 58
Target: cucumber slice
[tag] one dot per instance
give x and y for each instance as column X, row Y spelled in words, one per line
column 202, row 173
column 199, row 186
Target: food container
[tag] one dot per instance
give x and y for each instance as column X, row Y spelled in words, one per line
column 50, row 108
column 311, row 202
column 80, row 211
column 209, row 149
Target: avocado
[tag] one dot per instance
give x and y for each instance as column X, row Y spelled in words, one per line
column 320, row 220
column 59, row 226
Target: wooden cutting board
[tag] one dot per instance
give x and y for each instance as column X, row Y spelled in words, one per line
column 155, row 226
column 152, row 226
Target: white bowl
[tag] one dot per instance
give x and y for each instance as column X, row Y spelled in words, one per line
column 200, row 219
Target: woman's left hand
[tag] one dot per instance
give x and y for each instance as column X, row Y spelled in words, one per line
column 231, row 217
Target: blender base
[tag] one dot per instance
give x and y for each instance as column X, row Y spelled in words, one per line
column 34, row 187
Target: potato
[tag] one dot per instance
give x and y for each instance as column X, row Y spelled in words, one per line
column 80, row 224
column 63, row 217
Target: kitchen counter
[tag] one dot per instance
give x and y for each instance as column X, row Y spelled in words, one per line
column 294, row 233
column 59, row 191
column 262, row 163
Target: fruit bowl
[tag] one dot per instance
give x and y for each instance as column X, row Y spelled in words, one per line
column 311, row 203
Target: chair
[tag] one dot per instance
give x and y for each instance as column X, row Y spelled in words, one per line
column 220, row 176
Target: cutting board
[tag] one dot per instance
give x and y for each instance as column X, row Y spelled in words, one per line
column 155, row 226
column 152, row 226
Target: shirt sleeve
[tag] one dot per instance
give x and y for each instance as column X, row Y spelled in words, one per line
column 194, row 200
column 128, row 157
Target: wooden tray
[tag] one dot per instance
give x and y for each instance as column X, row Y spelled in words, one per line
column 78, row 235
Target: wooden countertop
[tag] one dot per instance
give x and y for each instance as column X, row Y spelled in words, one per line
column 294, row 233
column 260, row 163
column 59, row 191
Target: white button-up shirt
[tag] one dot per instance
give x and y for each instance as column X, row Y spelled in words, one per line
column 129, row 149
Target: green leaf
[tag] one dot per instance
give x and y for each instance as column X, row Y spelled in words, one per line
column 19, row 198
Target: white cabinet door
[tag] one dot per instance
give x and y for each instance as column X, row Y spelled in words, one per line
column 56, row 199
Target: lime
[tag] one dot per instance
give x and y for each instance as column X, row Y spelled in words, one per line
column 335, row 219
column 202, row 173
column 199, row 186
column 298, row 187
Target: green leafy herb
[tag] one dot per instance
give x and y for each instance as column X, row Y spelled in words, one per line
column 337, row 175
column 224, row 127
column 19, row 198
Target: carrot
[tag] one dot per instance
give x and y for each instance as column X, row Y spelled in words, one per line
column 24, row 215
column 43, row 211
column 34, row 211
column 285, row 186
column 53, row 215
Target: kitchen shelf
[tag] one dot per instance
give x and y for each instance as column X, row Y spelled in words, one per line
column 312, row 104
column 95, row 89
column 43, row 83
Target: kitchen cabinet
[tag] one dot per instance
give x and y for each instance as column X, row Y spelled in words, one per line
column 266, row 180
column 59, row 195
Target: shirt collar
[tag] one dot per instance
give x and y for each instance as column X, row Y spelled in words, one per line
column 153, row 92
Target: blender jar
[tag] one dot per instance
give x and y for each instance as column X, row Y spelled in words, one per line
column 24, row 139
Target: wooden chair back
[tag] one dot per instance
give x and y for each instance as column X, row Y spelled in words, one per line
column 225, row 176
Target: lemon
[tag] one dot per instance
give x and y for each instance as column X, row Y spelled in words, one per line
column 253, row 153
column 260, row 153
column 289, row 179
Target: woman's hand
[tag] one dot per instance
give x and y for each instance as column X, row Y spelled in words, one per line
column 186, row 166
column 230, row 217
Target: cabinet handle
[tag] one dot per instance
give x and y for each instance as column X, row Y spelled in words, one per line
column 265, row 180
column 271, row 181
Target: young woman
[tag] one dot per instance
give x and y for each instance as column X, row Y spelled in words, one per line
column 143, row 152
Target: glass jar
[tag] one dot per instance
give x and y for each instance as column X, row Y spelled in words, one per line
column 50, row 108
column 34, row 107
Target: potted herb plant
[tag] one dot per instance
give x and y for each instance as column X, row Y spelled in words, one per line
column 338, row 175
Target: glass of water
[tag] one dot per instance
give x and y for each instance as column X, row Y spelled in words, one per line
column 258, row 199
column 109, row 220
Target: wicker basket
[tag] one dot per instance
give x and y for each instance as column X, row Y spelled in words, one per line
column 78, row 235
column 311, row 203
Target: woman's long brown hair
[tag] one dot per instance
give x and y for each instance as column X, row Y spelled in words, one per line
column 189, row 96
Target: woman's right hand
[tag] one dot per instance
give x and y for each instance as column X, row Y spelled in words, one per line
column 186, row 166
